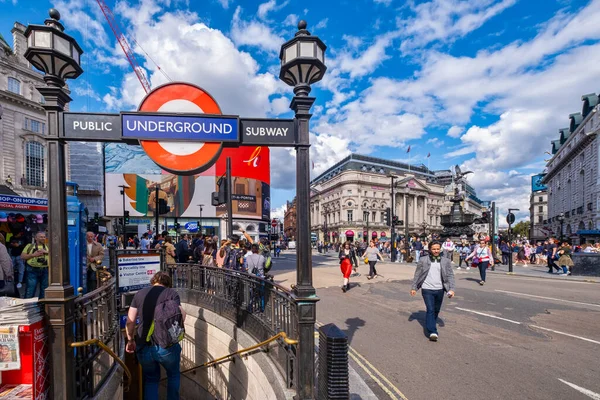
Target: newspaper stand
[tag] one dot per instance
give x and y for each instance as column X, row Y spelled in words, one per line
column 35, row 365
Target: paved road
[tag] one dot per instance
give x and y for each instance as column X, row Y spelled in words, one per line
column 514, row 338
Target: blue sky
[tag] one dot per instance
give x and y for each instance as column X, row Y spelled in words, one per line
column 483, row 83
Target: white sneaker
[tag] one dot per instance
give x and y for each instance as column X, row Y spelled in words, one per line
column 19, row 286
column 468, row 268
column 433, row 337
column 458, row 268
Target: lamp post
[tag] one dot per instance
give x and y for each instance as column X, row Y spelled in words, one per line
column 302, row 64
column 510, row 218
column 123, row 187
column 561, row 219
column 391, row 222
column 57, row 55
column 200, row 220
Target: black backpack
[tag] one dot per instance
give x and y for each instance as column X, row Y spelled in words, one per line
column 167, row 328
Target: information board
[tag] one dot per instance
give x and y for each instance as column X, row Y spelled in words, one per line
column 136, row 270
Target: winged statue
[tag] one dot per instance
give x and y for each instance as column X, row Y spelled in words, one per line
column 459, row 174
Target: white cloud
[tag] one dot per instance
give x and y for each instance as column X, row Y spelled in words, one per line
column 279, row 212
column 83, row 88
column 384, row 2
column 455, row 131
column 265, row 8
column 254, row 34
column 224, row 3
column 358, row 64
column 291, row 20
column 435, row 142
column 446, row 20
column 321, row 24
column 280, row 105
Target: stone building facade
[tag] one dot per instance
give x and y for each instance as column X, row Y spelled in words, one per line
column 538, row 213
column 289, row 220
column 350, row 199
column 24, row 161
column 572, row 177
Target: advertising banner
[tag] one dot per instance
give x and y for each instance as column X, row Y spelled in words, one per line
column 536, row 183
column 18, row 203
column 129, row 166
column 136, row 270
column 10, row 357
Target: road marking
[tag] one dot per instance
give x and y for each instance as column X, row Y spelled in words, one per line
column 549, row 298
column 585, row 391
column 489, row 315
column 566, row 334
column 375, row 374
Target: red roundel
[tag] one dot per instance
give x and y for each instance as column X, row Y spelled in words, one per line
column 181, row 158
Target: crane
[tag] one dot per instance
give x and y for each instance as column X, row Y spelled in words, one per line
column 108, row 14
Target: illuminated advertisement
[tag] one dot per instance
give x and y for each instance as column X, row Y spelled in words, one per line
column 143, row 180
column 536, row 183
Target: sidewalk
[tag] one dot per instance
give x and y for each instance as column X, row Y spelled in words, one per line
column 540, row 271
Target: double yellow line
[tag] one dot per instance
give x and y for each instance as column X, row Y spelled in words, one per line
column 376, row 375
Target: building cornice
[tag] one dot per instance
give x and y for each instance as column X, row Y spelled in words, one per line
column 23, row 69
column 569, row 156
column 21, row 101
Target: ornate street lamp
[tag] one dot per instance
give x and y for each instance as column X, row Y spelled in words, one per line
column 302, row 64
column 57, row 55
column 561, row 218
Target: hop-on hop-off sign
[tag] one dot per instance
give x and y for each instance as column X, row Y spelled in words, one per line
column 180, row 127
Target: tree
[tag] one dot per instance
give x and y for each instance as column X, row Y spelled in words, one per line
column 521, row 228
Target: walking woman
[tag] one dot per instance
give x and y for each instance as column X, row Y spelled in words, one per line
column 346, row 257
column 521, row 256
column 565, row 261
column 505, row 249
column 169, row 250
column 372, row 255
column 482, row 258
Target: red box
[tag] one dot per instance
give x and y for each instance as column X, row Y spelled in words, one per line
column 35, row 363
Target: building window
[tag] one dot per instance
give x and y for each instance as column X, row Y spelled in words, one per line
column 14, row 85
column 541, row 208
column 35, row 126
column 540, row 219
column 34, row 164
column 365, row 215
column 349, row 215
column 374, row 216
column 540, row 199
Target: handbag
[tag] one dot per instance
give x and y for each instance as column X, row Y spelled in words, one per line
column 366, row 260
column 9, row 289
column 476, row 260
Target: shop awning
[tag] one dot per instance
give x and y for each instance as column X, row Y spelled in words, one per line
column 349, row 233
column 23, row 205
column 588, row 232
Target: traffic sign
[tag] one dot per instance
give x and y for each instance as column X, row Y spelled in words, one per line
column 91, row 127
column 268, row 132
column 181, row 157
column 274, row 223
column 510, row 218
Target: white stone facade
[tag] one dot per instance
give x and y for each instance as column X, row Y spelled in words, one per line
column 538, row 213
column 572, row 176
column 344, row 201
column 23, row 163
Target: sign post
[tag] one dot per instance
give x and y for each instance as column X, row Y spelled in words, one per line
column 510, row 219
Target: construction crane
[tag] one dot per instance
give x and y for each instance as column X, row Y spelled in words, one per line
column 108, row 14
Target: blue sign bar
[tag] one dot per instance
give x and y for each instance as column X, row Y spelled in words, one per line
column 202, row 128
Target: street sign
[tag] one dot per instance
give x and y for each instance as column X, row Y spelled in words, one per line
column 274, row 223
column 510, row 218
column 179, row 157
column 92, row 127
column 268, row 132
column 156, row 126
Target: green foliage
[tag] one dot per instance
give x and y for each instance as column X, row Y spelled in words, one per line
column 521, row 228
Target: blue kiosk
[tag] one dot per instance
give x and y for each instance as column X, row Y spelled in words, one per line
column 77, row 227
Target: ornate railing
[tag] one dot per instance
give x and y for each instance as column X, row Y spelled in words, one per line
column 96, row 317
column 259, row 307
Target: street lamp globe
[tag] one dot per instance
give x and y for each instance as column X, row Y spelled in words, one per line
column 52, row 51
column 302, row 60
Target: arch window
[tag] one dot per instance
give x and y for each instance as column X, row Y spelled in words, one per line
column 14, row 85
column 34, row 163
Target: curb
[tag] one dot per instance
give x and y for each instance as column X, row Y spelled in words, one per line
column 544, row 277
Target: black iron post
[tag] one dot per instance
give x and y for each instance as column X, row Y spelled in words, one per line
column 406, row 230
column 229, row 197
column 493, row 231
column 391, row 222
column 510, row 219
column 123, row 187
column 156, row 210
column 59, row 300
column 200, row 220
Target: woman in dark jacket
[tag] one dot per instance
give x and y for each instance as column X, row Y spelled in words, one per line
column 505, row 250
column 347, row 258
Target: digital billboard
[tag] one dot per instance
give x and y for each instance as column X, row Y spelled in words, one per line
column 536, row 183
column 129, row 166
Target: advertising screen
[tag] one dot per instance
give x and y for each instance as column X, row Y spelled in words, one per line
column 129, row 166
column 536, row 183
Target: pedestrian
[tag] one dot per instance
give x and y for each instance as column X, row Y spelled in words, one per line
column 255, row 262
column 434, row 276
column 448, row 249
column 551, row 249
column 565, row 261
column 482, row 258
column 418, row 248
column 463, row 251
column 371, row 255
column 170, row 253
column 15, row 248
column 154, row 306
column 183, row 250
column 346, row 255
column 94, row 256
column 36, row 257
column 145, row 243
column 521, row 254
column 6, row 272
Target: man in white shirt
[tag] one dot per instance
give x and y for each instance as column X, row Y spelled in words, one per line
column 448, row 248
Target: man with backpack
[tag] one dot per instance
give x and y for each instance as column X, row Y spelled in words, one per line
column 156, row 339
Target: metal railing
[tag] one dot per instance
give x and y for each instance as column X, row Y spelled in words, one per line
column 259, row 307
column 96, row 317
